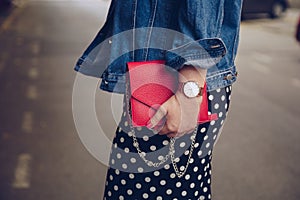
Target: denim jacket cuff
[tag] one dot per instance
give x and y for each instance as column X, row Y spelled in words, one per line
column 203, row 53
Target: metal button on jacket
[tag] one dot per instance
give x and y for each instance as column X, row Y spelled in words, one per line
column 229, row 77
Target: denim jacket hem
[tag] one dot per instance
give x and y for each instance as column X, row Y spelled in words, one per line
column 116, row 83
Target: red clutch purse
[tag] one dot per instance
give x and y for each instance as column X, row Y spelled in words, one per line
column 151, row 84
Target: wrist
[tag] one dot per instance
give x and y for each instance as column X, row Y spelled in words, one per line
column 190, row 73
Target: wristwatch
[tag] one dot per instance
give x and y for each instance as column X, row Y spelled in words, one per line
column 191, row 89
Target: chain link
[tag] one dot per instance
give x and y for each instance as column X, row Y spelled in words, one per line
column 171, row 153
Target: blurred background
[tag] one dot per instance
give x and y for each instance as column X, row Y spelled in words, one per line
column 41, row 155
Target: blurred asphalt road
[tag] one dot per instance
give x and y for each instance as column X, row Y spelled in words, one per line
column 42, row 157
column 257, row 157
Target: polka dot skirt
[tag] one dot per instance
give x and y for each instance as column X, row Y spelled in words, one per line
column 129, row 177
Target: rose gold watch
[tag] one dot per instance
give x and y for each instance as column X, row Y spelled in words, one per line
column 191, row 89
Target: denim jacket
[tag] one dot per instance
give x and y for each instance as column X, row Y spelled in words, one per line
column 200, row 33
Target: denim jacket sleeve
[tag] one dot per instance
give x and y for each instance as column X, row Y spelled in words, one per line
column 213, row 26
column 230, row 30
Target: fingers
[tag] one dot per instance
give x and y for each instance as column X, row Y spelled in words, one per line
column 172, row 135
column 170, row 120
column 158, row 119
column 167, row 126
column 167, row 118
column 170, row 127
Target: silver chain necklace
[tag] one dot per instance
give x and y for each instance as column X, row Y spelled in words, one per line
column 171, row 153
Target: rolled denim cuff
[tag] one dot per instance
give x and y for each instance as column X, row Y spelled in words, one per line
column 203, row 53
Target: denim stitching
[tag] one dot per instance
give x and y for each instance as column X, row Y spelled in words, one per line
column 134, row 26
column 150, row 31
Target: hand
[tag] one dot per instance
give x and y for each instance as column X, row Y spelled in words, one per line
column 177, row 116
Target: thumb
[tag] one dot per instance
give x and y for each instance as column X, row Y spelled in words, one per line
column 158, row 119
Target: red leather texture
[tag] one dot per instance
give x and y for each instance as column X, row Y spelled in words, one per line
column 151, row 84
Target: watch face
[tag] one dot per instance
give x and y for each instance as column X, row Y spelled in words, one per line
column 191, row 89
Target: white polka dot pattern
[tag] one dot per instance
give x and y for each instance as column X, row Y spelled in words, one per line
column 130, row 178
